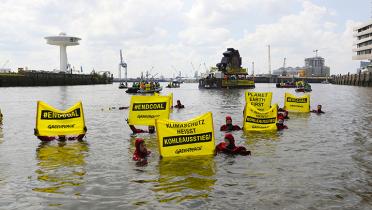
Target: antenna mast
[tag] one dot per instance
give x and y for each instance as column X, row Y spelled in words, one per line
column 269, row 59
column 253, row 68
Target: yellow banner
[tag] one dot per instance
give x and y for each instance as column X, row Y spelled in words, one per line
column 260, row 100
column 143, row 110
column 189, row 138
column 170, row 99
column 255, row 120
column 297, row 104
column 53, row 122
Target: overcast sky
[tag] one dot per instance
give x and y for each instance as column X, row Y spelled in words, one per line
column 172, row 34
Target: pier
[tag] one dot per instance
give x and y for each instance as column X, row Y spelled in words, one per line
column 52, row 79
column 361, row 79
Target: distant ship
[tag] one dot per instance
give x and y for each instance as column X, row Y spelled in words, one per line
column 228, row 73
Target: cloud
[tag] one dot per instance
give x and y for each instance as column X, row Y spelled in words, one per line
column 295, row 36
column 172, row 33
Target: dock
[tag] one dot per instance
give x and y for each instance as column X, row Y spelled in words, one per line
column 361, row 79
column 29, row 78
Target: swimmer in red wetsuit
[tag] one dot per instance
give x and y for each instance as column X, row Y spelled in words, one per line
column 141, row 153
column 229, row 126
column 283, row 112
column 280, row 125
column 229, row 147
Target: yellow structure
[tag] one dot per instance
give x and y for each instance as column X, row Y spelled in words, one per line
column 53, row 122
column 189, row 138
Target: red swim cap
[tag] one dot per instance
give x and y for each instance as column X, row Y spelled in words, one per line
column 228, row 117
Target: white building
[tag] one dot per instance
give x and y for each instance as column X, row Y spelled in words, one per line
column 362, row 46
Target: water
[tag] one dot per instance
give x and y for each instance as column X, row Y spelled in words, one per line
column 320, row 162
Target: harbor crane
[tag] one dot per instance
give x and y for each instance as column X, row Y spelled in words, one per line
column 123, row 65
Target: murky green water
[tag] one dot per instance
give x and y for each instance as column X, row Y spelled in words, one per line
column 320, row 162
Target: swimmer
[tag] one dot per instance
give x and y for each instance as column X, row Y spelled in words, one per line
column 229, row 126
column 141, row 153
column 229, row 147
column 179, row 105
column 280, row 125
column 319, row 110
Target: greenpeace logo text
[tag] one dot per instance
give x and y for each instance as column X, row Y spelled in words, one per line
column 61, row 126
column 192, row 149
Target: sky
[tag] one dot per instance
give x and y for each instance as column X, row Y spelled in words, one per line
column 168, row 36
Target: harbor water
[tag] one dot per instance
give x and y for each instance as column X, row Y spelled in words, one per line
column 320, row 162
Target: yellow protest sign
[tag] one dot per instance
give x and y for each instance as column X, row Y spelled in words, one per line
column 255, row 120
column 53, row 122
column 143, row 110
column 260, row 100
column 170, row 98
column 192, row 137
column 297, row 104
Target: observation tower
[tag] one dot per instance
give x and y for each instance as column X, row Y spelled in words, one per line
column 63, row 41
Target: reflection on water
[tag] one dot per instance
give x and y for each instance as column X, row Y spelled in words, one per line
column 253, row 137
column 63, row 96
column 185, row 178
column 60, row 165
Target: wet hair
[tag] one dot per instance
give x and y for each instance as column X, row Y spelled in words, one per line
column 151, row 129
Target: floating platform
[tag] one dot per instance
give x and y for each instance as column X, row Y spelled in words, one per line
column 227, row 84
column 228, row 73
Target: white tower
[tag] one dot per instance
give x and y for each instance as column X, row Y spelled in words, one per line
column 62, row 41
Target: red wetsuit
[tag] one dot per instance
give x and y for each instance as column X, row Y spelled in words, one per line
column 230, row 128
column 281, row 127
column 234, row 150
column 280, row 116
column 138, row 155
column 70, row 138
column 135, row 130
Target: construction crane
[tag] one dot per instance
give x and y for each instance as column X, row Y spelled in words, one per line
column 123, row 65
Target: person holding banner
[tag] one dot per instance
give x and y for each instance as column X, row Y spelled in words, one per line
column 229, row 147
column 284, row 113
column 229, row 126
column 151, row 129
column 319, row 110
column 61, row 138
column 141, row 153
